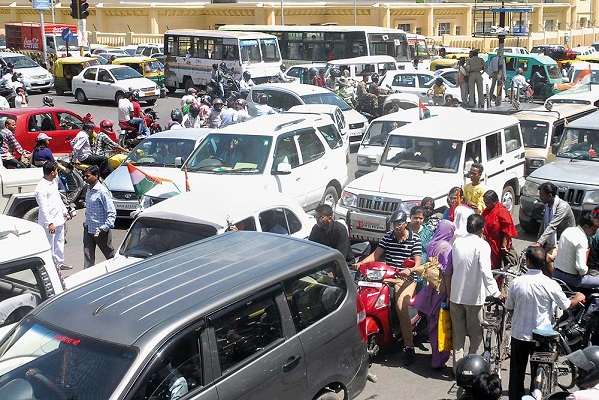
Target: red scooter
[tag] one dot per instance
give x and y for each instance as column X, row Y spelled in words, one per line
column 377, row 294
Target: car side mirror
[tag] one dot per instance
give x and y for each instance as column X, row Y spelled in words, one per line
column 283, row 169
column 178, row 162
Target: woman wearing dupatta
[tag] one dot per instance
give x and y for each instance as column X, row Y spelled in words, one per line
column 499, row 227
column 429, row 300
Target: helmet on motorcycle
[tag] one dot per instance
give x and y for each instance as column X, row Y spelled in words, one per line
column 135, row 95
column 247, row 75
column 469, row 368
column 48, row 101
column 176, row 115
column 206, row 100
column 398, row 217
column 335, row 72
column 262, row 98
column 283, row 67
column 217, row 102
column 313, row 72
column 374, row 77
column 194, row 110
column 106, row 125
column 587, row 362
column 223, row 66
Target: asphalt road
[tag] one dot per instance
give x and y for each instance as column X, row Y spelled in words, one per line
column 415, row 382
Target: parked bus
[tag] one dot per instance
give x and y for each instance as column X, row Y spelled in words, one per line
column 420, row 49
column 322, row 43
column 190, row 54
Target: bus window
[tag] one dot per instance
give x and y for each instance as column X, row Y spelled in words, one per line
column 269, row 50
column 171, row 45
column 183, row 46
column 231, row 52
column 249, row 51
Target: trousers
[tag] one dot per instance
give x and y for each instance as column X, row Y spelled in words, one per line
column 465, row 321
column 103, row 241
column 403, row 294
column 521, row 351
column 475, row 78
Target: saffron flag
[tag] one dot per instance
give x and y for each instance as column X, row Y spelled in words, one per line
column 187, row 187
column 143, row 182
column 580, row 84
column 423, row 111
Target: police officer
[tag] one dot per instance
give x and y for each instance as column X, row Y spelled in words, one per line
column 475, row 67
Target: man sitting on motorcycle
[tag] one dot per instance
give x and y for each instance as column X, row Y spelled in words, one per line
column 104, row 145
column 280, row 76
column 246, row 82
column 397, row 246
column 364, row 96
column 127, row 117
column 9, row 145
column 82, row 150
column 329, row 232
column 332, row 81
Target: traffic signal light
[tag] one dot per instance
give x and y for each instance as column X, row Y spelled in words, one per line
column 79, row 9
column 83, row 13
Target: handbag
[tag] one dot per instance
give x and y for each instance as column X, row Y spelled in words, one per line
column 431, row 273
column 510, row 259
column 444, row 335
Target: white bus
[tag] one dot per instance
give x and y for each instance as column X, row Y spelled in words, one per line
column 420, row 49
column 322, row 43
column 190, row 54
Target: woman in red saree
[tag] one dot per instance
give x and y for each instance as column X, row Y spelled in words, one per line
column 499, row 227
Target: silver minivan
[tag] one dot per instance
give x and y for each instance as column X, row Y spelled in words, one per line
column 243, row 315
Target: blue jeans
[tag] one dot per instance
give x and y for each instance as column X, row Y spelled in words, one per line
column 574, row 281
column 140, row 123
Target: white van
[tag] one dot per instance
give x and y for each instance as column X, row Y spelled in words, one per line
column 428, row 158
column 375, row 138
column 359, row 66
column 28, row 274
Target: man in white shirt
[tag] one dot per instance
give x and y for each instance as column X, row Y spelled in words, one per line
column 471, row 283
column 52, row 212
column 125, row 115
column 570, row 264
column 531, row 298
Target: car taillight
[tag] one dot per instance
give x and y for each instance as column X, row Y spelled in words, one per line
column 361, row 311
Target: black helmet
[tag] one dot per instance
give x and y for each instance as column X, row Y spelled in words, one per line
column 223, row 66
column 48, row 101
column 399, row 216
column 217, row 101
column 313, row 71
column 587, row 362
column 469, row 368
column 135, row 95
column 374, row 77
column 206, row 100
column 176, row 115
column 247, row 74
column 283, row 67
column 335, row 72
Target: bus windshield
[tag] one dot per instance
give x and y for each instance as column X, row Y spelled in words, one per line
column 270, row 50
column 250, row 52
column 392, row 44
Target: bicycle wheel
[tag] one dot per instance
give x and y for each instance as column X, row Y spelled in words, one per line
column 541, row 386
column 566, row 371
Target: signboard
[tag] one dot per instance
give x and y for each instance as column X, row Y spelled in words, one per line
column 41, row 5
column 66, row 34
column 82, row 33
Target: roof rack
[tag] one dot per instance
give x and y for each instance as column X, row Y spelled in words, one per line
column 286, row 124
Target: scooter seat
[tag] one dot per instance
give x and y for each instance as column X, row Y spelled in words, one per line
column 126, row 126
column 544, row 335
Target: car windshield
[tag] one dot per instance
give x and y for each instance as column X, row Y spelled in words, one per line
column 378, row 132
column 55, row 363
column 422, row 153
column 124, row 73
column 579, row 144
column 21, row 62
column 221, row 153
column 150, row 236
column 594, row 76
column 61, row 45
column 326, row 98
column 161, row 151
column 534, row 133
column 554, row 72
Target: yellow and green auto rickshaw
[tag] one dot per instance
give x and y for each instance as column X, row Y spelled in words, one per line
column 441, row 63
column 66, row 68
column 149, row 67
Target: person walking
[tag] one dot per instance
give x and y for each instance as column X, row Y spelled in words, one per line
column 100, row 215
column 475, row 67
column 499, row 228
column 558, row 216
column 331, row 233
column 429, row 300
column 471, row 282
column 531, row 299
column 52, row 212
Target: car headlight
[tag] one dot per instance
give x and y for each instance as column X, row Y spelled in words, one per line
column 591, row 196
column 536, row 162
column 530, row 189
column 349, row 199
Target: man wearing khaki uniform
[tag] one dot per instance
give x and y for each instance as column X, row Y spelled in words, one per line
column 475, row 67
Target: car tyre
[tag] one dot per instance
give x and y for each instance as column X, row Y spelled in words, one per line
column 188, row 84
column 171, row 89
column 330, row 197
column 531, row 226
column 80, row 96
column 508, row 198
column 32, row 214
column 328, row 396
column 118, row 96
column 44, row 91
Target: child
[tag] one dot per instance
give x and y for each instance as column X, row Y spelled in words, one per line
column 438, row 92
column 473, row 191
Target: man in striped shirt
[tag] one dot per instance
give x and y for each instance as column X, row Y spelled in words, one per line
column 396, row 246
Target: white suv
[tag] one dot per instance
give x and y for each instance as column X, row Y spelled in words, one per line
column 300, row 155
column 283, row 96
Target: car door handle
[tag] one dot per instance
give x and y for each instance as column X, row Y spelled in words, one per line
column 292, row 362
column 501, row 162
column 298, row 178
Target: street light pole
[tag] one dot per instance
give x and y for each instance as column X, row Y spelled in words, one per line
column 355, row 15
column 282, row 14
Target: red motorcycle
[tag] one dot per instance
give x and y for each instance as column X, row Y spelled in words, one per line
column 377, row 293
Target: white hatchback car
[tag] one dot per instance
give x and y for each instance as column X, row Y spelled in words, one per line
column 197, row 215
column 33, row 75
column 283, row 96
column 110, row 82
column 416, row 82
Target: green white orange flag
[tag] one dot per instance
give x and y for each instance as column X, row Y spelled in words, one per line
column 143, row 182
column 580, row 84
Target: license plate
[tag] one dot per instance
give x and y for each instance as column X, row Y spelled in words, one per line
column 368, row 225
column 126, row 205
column 370, row 284
column 149, row 94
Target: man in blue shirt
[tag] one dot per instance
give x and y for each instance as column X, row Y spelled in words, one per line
column 100, row 215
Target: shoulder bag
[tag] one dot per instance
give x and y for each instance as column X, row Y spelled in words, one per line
column 431, row 273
